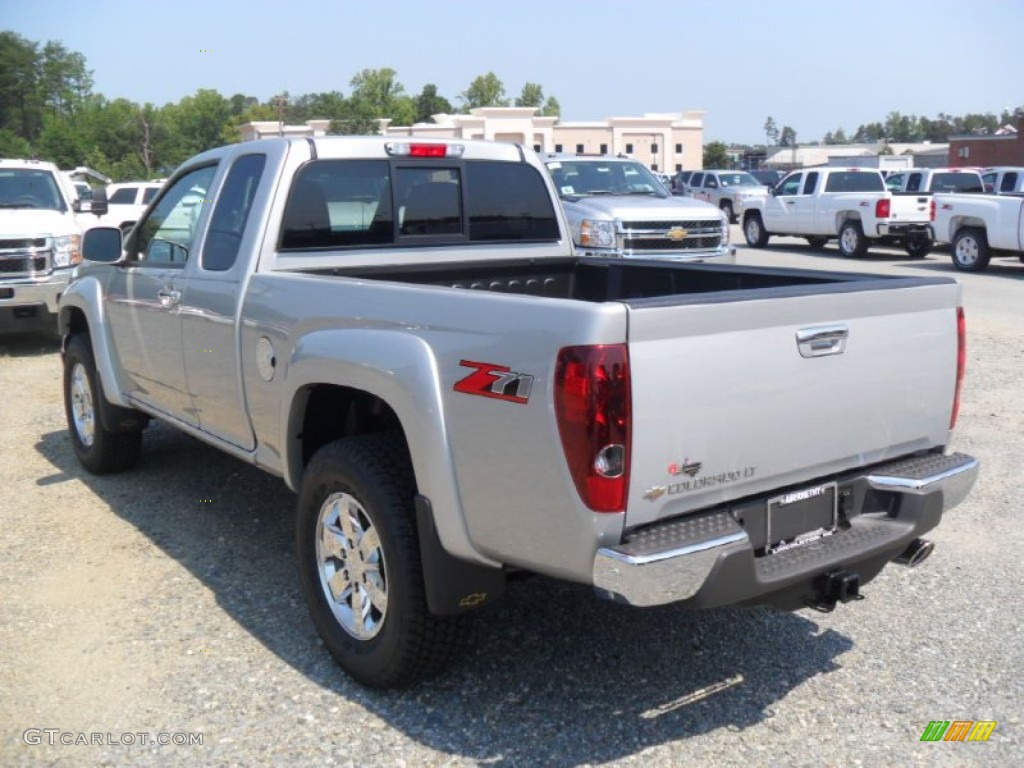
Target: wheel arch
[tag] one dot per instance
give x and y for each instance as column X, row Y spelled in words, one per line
column 386, row 381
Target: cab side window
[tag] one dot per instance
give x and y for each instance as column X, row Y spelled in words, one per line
column 166, row 237
column 914, row 182
column 123, row 196
column 791, row 184
column 1009, row 182
column 811, row 183
column 232, row 212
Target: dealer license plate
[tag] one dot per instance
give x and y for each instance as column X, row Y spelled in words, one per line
column 799, row 517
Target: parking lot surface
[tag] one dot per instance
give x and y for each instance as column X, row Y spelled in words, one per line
column 165, row 603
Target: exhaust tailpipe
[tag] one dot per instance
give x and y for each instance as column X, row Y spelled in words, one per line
column 916, row 553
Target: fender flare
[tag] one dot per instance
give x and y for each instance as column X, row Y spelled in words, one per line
column 400, row 369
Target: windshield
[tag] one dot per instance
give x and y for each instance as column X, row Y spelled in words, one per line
column 581, row 178
column 29, row 188
column 738, row 180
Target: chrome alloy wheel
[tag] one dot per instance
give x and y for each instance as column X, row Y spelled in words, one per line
column 966, row 251
column 350, row 562
column 849, row 239
column 82, row 411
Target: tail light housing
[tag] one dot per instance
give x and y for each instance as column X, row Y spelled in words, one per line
column 593, row 408
column 883, row 208
column 931, row 209
column 961, row 363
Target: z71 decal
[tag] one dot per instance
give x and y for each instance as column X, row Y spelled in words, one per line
column 497, row 381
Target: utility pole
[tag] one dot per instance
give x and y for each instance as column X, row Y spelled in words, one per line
column 280, row 102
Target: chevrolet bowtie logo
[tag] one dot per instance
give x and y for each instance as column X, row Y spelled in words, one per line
column 676, row 234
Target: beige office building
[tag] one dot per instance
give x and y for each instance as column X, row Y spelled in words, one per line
column 664, row 142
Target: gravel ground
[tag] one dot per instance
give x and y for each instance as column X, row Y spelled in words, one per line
column 166, row 601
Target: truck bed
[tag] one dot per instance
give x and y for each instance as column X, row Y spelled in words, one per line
column 638, row 283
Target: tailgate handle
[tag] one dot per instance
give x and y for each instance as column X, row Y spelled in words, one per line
column 822, row 340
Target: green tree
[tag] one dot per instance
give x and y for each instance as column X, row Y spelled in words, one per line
column 551, row 108
column 20, row 104
column 485, row 91
column 377, row 89
column 12, row 145
column 716, row 155
column 197, row 123
column 429, row 103
column 771, row 131
column 532, row 96
column 788, row 137
column 64, row 81
column 839, row 137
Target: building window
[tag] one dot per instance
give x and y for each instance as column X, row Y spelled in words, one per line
column 679, row 149
column 604, row 149
column 579, row 149
column 679, row 166
column 654, row 166
column 558, row 147
column 536, row 147
column 654, row 149
column 629, row 149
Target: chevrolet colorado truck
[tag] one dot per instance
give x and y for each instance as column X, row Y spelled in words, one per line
column 403, row 332
column 617, row 208
column 978, row 226
column 850, row 204
column 40, row 238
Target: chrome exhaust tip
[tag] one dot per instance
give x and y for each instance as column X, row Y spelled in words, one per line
column 916, row 553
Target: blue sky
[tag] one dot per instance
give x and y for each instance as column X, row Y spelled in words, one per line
column 815, row 65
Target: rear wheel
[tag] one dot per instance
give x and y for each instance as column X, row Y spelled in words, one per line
column 754, row 231
column 852, row 242
column 360, row 567
column 729, row 215
column 970, row 250
column 918, row 247
column 99, row 450
column 817, row 242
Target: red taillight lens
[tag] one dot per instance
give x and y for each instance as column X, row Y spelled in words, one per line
column 427, row 150
column 592, row 405
column 883, row 208
column 931, row 209
column 961, row 362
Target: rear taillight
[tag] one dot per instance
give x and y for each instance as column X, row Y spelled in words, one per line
column 883, row 208
column 592, row 405
column 961, row 362
column 931, row 209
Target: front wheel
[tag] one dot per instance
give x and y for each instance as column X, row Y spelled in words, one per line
column 730, row 216
column 754, row 231
column 852, row 242
column 99, row 450
column 918, row 247
column 360, row 567
column 970, row 250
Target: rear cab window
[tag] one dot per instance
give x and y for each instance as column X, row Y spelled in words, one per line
column 854, row 181
column 400, row 202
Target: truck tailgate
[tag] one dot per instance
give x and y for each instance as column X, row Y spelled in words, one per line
column 910, row 207
column 727, row 405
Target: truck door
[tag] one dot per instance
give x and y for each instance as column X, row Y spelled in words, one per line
column 212, row 295
column 781, row 207
column 144, row 296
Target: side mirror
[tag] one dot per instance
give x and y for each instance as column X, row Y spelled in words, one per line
column 773, row 191
column 102, row 245
column 99, row 205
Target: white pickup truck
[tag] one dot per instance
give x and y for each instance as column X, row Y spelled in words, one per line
column 40, row 238
column 977, row 226
column 850, row 204
column 404, row 332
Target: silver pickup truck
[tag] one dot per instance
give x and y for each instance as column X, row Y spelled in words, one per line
column 403, row 332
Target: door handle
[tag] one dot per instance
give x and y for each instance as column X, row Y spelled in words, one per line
column 169, row 297
column 822, row 340
column 791, row 202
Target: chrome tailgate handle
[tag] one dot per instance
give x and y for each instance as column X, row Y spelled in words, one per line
column 822, row 340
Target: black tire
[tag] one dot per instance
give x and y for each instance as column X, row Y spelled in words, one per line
column 729, row 214
column 754, row 231
column 98, row 450
column 399, row 641
column 970, row 250
column 918, row 247
column 852, row 242
column 817, row 242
